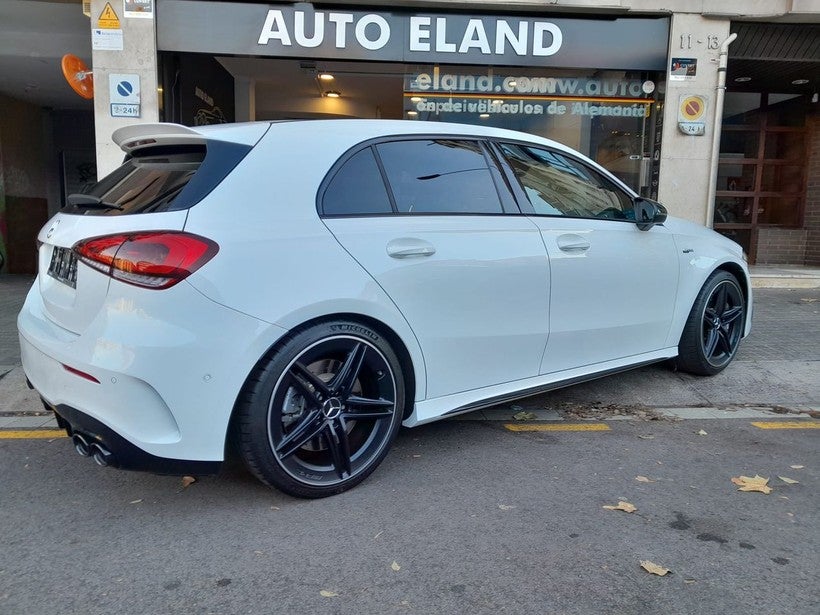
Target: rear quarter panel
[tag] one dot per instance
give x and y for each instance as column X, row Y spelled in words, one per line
column 277, row 261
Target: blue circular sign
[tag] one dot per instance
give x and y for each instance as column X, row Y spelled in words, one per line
column 124, row 88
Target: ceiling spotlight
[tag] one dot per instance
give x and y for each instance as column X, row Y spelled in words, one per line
column 332, row 94
column 498, row 101
column 512, row 83
column 800, row 81
column 326, row 77
column 412, row 113
column 484, row 116
column 742, row 79
column 416, row 99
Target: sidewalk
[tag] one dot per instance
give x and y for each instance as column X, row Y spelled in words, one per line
column 776, row 372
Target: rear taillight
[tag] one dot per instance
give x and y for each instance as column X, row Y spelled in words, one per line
column 150, row 259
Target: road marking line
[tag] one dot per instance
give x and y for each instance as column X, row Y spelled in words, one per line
column 26, row 434
column 557, row 427
column 787, row 424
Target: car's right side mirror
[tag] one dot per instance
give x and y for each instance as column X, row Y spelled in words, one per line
column 648, row 213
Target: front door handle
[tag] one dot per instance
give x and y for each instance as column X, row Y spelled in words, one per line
column 409, row 247
column 572, row 244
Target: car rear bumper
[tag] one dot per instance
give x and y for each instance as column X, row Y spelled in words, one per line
column 165, row 371
column 110, row 449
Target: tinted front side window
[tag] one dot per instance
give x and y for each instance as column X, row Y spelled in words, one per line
column 439, row 176
column 559, row 186
column 357, row 188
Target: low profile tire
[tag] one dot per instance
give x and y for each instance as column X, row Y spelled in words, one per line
column 319, row 415
column 712, row 333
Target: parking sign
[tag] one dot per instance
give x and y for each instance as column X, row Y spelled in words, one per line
column 124, row 95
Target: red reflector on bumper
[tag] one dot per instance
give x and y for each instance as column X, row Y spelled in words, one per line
column 77, row 372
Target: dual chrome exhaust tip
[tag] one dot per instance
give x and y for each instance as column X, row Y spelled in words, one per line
column 86, row 447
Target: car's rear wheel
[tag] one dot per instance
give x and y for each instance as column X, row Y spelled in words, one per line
column 320, row 414
column 715, row 326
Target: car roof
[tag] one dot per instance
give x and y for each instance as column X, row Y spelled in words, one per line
column 370, row 129
column 351, row 128
column 343, row 131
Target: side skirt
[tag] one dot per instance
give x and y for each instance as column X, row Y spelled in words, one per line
column 444, row 407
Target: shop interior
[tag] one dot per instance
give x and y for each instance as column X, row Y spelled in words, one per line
column 606, row 115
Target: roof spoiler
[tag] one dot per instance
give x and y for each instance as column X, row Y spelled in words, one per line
column 138, row 136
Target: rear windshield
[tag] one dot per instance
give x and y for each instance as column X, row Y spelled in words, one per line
column 162, row 179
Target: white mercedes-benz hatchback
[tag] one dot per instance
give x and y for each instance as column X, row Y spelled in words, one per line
column 299, row 290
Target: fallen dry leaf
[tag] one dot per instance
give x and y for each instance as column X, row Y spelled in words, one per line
column 643, row 479
column 524, row 416
column 327, row 593
column 758, row 483
column 624, row 506
column 797, row 467
column 395, row 566
column 187, row 481
column 654, row 568
column 788, row 481
column 505, row 507
column 701, row 433
column 135, row 501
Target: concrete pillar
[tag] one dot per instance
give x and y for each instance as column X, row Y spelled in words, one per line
column 686, row 160
column 244, row 99
column 137, row 57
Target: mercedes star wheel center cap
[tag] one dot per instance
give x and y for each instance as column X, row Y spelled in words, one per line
column 332, row 408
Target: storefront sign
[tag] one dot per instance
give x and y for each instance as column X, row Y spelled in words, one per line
column 301, row 31
column 529, row 107
column 432, row 81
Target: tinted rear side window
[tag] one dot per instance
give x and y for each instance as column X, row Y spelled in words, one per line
column 164, row 179
column 357, row 188
column 439, row 176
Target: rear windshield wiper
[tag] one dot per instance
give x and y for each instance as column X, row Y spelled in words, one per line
column 89, row 201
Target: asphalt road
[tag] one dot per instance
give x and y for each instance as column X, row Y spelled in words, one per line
column 477, row 519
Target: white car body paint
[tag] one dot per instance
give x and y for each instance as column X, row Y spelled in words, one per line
column 171, row 363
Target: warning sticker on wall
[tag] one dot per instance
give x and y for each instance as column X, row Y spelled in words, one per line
column 108, row 19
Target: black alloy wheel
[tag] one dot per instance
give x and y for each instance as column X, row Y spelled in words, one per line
column 713, row 331
column 333, row 403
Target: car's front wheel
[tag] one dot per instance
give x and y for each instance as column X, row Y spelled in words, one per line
column 320, row 414
column 715, row 326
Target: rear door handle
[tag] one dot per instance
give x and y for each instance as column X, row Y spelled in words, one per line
column 572, row 244
column 409, row 247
